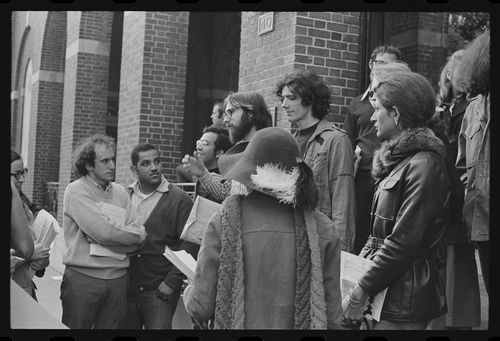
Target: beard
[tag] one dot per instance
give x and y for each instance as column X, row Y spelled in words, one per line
column 238, row 133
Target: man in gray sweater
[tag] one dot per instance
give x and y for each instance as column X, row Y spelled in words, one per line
column 100, row 229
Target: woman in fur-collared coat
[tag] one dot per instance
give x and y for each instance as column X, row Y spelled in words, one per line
column 409, row 209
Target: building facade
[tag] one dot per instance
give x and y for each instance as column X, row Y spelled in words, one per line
column 154, row 76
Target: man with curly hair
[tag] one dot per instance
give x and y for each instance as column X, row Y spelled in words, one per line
column 324, row 147
column 100, row 229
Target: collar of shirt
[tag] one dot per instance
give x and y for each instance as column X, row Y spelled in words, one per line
column 365, row 95
column 135, row 187
column 107, row 189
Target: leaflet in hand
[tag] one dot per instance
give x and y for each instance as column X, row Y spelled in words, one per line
column 116, row 214
column 182, row 261
column 45, row 227
column 352, row 267
column 201, row 213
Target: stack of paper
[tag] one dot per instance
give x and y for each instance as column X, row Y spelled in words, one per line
column 182, row 261
column 201, row 213
column 352, row 267
column 116, row 214
column 45, row 227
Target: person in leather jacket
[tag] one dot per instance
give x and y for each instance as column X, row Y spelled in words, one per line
column 410, row 209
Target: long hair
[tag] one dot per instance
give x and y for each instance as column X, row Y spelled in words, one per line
column 310, row 88
column 251, row 102
column 85, row 152
column 474, row 68
column 411, row 94
column 445, row 94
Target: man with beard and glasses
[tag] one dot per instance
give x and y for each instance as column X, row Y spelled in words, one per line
column 163, row 208
column 245, row 113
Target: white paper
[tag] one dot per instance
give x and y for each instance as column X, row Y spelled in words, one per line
column 116, row 214
column 182, row 261
column 45, row 228
column 352, row 267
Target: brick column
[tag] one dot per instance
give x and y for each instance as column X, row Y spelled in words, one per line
column 152, row 87
column 325, row 42
column 422, row 38
column 85, row 85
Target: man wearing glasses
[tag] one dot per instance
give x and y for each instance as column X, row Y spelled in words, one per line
column 364, row 139
column 245, row 114
column 209, row 148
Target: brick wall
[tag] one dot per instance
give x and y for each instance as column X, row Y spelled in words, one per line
column 422, row 38
column 153, row 73
column 85, row 85
column 325, row 42
column 49, row 104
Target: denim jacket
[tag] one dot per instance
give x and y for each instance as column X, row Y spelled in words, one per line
column 329, row 153
column 474, row 158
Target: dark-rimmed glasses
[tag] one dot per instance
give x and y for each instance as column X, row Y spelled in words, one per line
column 17, row 174
column 229, row 113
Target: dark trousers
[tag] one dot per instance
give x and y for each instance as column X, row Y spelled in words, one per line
column 365, row 188
column 483, row 249
column 149, row 311
column 89, row 302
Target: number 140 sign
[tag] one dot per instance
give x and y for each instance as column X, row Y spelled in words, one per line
column 266, row 23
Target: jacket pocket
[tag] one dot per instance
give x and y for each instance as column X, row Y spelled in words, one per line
column 387, row 199
column 473, row 135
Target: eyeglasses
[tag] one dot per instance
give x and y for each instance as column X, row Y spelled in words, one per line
column 229, row 113
column 204, row 143
column 18, row 174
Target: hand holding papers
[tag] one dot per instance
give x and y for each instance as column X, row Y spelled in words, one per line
column 182, row 261
column 45, row 227
column 352, row 267
column 203, row 209
column 116, row 214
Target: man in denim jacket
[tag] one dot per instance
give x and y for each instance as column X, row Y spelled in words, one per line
column 324, row 147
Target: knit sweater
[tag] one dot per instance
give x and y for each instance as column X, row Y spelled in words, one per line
column 149, row 267
column 83, row 221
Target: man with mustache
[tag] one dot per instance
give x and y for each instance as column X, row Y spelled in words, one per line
column 245, row 113
column 100, row 229
column 163, row 208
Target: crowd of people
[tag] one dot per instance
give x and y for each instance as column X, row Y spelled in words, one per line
column 405, row 185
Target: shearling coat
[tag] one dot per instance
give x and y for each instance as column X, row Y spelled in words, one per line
column 269, row 260
column 409, row 217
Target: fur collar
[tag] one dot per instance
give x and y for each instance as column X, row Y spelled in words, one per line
column 409, row 142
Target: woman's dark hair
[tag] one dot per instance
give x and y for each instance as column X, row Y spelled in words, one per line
column 411, row 94
column 14, row 156
column 310, row 88
column 85, row 152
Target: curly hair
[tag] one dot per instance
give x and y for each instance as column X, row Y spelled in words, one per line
column 142, row 147
column 84, row 152
column 222, row 143
column 474, row 68
column 310, row 88
column 251, row 102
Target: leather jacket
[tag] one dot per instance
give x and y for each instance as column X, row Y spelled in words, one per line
column 409, row 218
